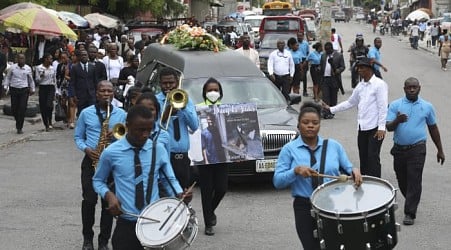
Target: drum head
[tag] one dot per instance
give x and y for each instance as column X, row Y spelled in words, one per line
column 154, row 234
column 342, row 198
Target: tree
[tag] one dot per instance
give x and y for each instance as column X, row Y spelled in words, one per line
column 45, row 3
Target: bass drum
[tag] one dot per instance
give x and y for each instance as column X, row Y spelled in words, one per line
column 349, row 218
column 177, row 227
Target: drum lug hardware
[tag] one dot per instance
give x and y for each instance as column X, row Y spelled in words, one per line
column 313, row 213
column 322, row 244
column 315, row 234
column 387, row 218
column 365, row 227
column 368, row 246
column 389, row 239
column 398, row 227
column 342, row 247
column 319, row 223
column 340, row 228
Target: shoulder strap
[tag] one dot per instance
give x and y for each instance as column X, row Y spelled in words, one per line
column 323, row 160
column 152, row 171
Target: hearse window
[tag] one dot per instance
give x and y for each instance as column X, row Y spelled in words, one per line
column 281, row 25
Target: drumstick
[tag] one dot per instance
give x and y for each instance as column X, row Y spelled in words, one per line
column 140, row 216
column 178, row 205
column 143, row 217
column 340, row 178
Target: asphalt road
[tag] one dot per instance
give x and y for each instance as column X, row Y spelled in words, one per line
column 40, row 176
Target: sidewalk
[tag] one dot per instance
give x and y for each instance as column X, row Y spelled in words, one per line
column 32, row 126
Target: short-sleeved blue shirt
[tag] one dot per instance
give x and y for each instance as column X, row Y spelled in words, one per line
column 314, row 57
column 420, row 114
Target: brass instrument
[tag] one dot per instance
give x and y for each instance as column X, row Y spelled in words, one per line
column 119, row 130
column 104, row 141
column 177, row 98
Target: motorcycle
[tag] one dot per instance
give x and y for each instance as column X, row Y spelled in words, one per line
column 382, row 29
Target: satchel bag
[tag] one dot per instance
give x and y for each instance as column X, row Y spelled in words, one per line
column 60, row 113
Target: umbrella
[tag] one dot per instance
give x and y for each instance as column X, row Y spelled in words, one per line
column 418, row 15
column 76, row 19
column 95, row 19
column 19, row 6
column 37, row 22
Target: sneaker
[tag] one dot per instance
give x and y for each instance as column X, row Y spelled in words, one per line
column 408, row 220
column 209, row 231
column 71, row 125
column 19, row 131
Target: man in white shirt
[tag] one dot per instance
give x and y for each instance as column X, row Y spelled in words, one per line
column 371, row 98
column 247, row 51
column 281, row 68
column 335, row 39
column 20, row 82
column 414, row 35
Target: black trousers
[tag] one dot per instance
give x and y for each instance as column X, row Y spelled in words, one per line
column 283, row 83
column 124, row 236
column 182, row 169
column 329, row 87
column 369, row 151
column 88, row 206
column 19, row 101
column 408, row 165
column 213, row 186
column 46, row 97
column 305, row 223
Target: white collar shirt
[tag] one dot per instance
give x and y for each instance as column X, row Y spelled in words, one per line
column 280, row 63
column 19, row 77
column 45, row 76
column 371, row 99
column 250, row 53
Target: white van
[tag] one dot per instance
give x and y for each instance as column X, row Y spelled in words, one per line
column 254, row 21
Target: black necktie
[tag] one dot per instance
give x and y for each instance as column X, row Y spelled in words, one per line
column 139, row 188
column 176, row 129
column 315, row 180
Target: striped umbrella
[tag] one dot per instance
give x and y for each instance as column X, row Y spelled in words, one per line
column 37, row 22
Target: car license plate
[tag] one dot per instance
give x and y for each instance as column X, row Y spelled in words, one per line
column 265, row 165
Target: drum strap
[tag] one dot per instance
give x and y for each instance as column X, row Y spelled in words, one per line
column 152, row 171
column 319, row 180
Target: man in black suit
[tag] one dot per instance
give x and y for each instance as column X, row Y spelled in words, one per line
column 42, row 47
column 332, row 65
column 100, row 68
column 83, row 81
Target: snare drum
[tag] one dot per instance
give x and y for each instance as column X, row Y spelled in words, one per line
column 178, row 232
column 349, row 218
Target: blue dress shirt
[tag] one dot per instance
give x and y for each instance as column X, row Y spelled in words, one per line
column 187, row 119
column 118, row 159
column 296, row 153
column 297, row 56
column 87, row 131
column 420, row 114
column 304, row 48
column 374, row 53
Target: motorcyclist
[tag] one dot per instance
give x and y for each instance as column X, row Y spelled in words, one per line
column 358, row 51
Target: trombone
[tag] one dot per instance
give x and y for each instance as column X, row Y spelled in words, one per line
column 177, row 98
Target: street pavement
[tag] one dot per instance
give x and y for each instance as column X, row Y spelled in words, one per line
column 40, row 174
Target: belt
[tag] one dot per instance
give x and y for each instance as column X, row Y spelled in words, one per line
column 179, row 156
column 407, row 147
column 282, row 75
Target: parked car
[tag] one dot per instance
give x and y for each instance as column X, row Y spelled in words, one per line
column 242, row 82
column 310, row 29
column 445, row 23
column 281, row 24
column 339, row 16
column 360, row 16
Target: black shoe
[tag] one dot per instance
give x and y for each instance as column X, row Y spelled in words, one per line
column 209, row 231
column 19, row 131
column 213, row 220
column 87, row 245
column 408, row 220
column 103, row 247
column 305, row 94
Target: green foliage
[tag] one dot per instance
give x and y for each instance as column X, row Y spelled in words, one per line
column 46, row 3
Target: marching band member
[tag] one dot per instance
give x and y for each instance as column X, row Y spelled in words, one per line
column 87, row 137
column 300, row 160
column 129, row 160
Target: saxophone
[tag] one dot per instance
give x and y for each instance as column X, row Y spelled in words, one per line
column 104, row 141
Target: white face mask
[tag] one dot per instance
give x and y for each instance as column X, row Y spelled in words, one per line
column 213, row 96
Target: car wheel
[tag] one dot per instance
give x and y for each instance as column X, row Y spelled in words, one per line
column 32, row 109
